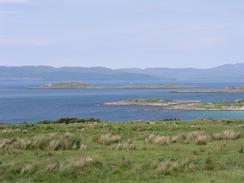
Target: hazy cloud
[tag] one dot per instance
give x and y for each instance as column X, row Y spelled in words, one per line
column 24, row 42
column 14, row 1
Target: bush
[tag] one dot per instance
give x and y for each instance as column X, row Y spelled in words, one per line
column 71, row 121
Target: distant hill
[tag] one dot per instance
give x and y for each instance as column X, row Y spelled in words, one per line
column 47, row 73
column 230, row 72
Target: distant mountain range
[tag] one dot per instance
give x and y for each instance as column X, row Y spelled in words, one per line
column 47, row 73
column 230, row 72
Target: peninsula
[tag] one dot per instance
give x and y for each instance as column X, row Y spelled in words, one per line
column 237, row 105
column 78, row 85
column 239, row 89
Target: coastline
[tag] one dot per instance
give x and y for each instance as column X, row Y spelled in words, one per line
column 77, row 85
column 223, row 90
column 180, row 105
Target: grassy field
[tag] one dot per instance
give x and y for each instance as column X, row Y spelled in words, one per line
column 162, row 151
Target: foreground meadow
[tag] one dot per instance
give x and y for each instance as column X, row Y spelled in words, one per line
column 159, row 151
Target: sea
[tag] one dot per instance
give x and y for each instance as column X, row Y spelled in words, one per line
column 20, row 103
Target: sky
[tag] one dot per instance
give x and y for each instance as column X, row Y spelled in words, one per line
column 122, row 33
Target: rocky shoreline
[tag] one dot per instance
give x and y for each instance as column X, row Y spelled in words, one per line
column 189, row 105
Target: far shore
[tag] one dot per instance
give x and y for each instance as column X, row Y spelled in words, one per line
column 78, row 85
column 239, row 89
column 187, row 105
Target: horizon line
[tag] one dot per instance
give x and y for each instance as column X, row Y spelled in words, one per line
column 106, row 67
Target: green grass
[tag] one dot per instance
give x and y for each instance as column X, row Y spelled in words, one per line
column 163, row 151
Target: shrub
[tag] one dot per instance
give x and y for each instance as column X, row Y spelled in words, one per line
column 71, row 121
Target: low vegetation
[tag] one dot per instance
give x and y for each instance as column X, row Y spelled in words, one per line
column 237, row 105
column 75, row 150
column 198, row 136
column 107, row 139
column 52, row 142
column 167, row 104
column 71, row 121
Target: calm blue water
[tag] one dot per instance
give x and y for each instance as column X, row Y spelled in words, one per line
column 20, row 103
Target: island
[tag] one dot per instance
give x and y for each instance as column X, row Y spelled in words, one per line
column 78, row 85
column 66, row 85
column 237, row 105
column 239, row 89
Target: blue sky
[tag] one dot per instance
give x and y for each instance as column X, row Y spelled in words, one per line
column 122, row 33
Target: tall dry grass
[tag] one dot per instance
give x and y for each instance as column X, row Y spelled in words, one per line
column 74, row 165
column 226, row 135
column 167, row 167
column 52, row 142
column 124, row 146
column 107, row 139
column 200, row 137
column 157, row 139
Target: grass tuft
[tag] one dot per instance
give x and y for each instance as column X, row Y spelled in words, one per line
column 226, row 135
column 124, row 146
column 157, row 139
column 168, row 167
column 85, row 162
column 202, row 139
column 108, row 139
column 53, row 142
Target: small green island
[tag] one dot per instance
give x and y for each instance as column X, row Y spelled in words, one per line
column 237, row 105
column 238, row 89
column 78, row 85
